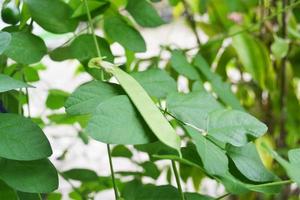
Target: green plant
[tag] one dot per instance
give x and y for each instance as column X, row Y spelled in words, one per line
column 230, row 127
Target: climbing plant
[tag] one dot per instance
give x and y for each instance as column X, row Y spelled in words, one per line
column 236, row 121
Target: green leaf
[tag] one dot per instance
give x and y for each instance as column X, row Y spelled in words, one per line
column 5, row 39
column 152, row 192
column 156, row 82
column 182, row 66
column 221, row 88
column 235, row 186
column 144, row 13
column 150, row 169
column 134, row 190
column 7, row 83
column 25, row 48
column 248, row 162
column 68, row 119
column 87, row 97
column 6, row 192
column 92, row 4
column 148, row 110
column 196, row 196
column 292, row 167
column 37, row 176
column 83, row 175
column 233, row 126
column 83, row 49
column 52, row 15
column 118, row 30
column 21, row 139
column 56, row 98
column 121, row 151
column 116, row 121
column 280, row 47
column 253, row 55
column 28, row 196
column 294, row 156
column 210, row 153
column 192, row 108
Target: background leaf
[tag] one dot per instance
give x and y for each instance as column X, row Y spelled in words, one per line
column 118, row 30
column 143, row 13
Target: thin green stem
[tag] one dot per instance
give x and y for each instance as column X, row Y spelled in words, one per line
column 177, row 180
column 92, row 27
column 27, row 98
column 20, row 104
column 112, row 172
column 40, row 197
column 102, row 78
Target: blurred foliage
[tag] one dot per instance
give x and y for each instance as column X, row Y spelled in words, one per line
column 237, row 115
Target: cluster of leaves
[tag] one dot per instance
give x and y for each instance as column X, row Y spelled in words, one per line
column 220, row 139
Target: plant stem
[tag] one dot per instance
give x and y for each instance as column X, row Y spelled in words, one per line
column 283, row 85
column 92, row 28
column 102, row 78
column 223, row 196
column 112, row 172
column 177, row 180
column 191, row 20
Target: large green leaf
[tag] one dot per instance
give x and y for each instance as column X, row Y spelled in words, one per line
column 182, row 66
column 116, row 121
column 25, row 48
column 210, row 153
column 118, row 30
column 7, row 83
column 37, row 176
column 83, row 48
column 87, row 97
column 52, row 15
column 144, row 13
column 192, row 108
column 146, row 107
column 221, row 88
column 5, row 39
column 234, row 127
column 21, row 139
column 156, row 82
column 248, row 162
